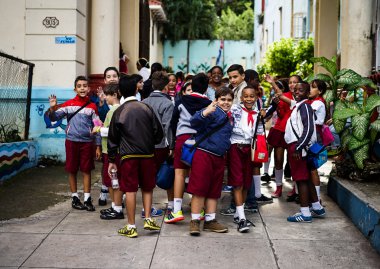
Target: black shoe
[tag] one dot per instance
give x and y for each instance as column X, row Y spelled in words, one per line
column 76, row 203
column 264, row 200
column 107, row 210
column 243, row 226
column 265, row 177
column 112, row 215
column 102, row 202
column 88, row 205
column 292, row 198
column 297, row 199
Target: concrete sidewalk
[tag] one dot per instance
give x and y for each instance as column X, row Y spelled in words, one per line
column 61, row 237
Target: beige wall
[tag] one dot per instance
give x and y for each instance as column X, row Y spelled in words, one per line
column 156, row 47
column 12, row 27
column 129, row 31
column 355, row 38
column 326, row 29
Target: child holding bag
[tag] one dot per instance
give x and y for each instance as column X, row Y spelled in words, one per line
column 241, row 168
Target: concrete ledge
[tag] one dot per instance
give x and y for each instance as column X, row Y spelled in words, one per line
column 360, row 208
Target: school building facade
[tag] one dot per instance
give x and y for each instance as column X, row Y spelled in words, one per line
column 68, row 38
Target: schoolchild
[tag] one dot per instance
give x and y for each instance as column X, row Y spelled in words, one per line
column 112, row 96
column 299, row 134
column 185, row 90
column 184, row 109
column 318, row 88
column 207, row 171
column 171, row 86
column 80, row 114
column 111, row 76
column 241, row 168
column 160, row 102
column 215, row 82
column 133, row 132
column 276, row 134
column 237, row 83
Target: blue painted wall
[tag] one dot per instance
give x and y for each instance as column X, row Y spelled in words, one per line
column 51, row 141
column 204, row 53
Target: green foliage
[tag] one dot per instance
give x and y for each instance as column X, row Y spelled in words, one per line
column 9, row 133
column 189, row 20
column 235, row 26
column 287, row 56
column 237, row 6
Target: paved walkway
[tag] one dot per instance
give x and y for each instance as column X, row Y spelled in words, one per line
column 65, row 238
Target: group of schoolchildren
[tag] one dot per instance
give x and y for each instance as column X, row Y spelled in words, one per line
column 137, row 137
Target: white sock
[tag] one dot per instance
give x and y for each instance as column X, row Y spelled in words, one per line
column 257, row 182
column 305, row 211
column 240, row 211
column 118, row 208
column 149, row 219
column 75, row 194
column 236, row 215
column 170, row 204
column 266, row 166
column 210, row 216
column 316, row 205
column 177, row 205
column 86, row 196
column 131, row 226
column 195, row 216
column 113, row 205
column 279, row 174
column 318, row 189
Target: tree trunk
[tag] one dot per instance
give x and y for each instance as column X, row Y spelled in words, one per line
column 188, row 56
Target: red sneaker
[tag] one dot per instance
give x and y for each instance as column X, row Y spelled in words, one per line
column 292, row 192
column 278, row 192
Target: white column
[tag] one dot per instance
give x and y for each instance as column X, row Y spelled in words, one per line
column 356, row 44
column 105, row 35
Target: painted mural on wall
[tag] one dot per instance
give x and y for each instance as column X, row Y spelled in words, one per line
column 16, row 157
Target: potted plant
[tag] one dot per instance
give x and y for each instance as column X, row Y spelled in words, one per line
column 351, row 119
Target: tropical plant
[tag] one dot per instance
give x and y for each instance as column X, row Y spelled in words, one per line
column 288, row 56
column 233, row 26
column 356, row 135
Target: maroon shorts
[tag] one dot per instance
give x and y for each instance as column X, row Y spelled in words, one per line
column 298, row 168
column 178, row 164
column 206, row 177
column 79, row 155
column 240, row 166
column 135, row 172
column 276, row 138
column 106, row 180
column 160, row 155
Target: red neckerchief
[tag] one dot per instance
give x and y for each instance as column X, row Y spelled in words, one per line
column 318, row 98
column 250, row 115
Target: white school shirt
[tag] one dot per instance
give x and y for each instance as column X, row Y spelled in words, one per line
column 296, row 120
column 319, row 111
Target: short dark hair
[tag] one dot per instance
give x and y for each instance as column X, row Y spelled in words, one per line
column 111, row 89
column 159, row 80
column 79, row 78
column 216, row 67
column 136, row 77
column 109, row 69
column 320, row 84
column 127, row 86
column 251, row 75
column 156, row 67
column 236, row 67
column 223, row 91
column 199, row 83
column 304, row 85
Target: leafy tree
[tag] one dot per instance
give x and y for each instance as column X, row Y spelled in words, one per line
column 233, row 26
column 190, row 20
column 237, row 6
column 286, row 57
